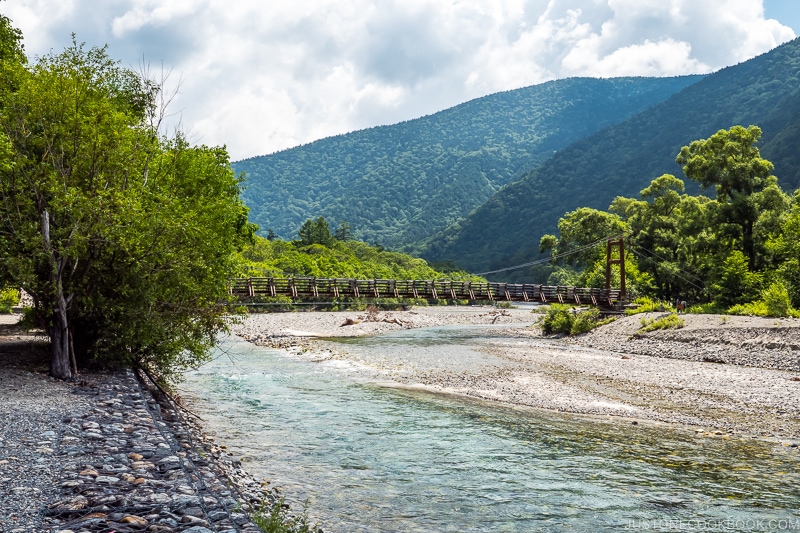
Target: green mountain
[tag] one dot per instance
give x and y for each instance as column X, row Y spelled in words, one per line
column 622, row 159
column 397, row 185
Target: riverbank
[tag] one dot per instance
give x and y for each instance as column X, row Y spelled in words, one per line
column 721, row 375
column 100, row 454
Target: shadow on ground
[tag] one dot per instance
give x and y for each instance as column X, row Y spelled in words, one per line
column 22, row 349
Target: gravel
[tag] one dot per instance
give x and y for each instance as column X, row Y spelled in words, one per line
column 722, row 375
column 101, row 454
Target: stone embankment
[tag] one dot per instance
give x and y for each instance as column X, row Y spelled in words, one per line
column 102, row 455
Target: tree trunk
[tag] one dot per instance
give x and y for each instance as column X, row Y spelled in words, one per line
column 748, row 244
column 59, row 330
column 59, row 341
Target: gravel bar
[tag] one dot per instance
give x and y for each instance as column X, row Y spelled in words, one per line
column 723, row 375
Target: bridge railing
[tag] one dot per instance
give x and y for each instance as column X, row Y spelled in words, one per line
column 311, row 287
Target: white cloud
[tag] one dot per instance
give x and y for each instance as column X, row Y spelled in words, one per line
column 263, row 76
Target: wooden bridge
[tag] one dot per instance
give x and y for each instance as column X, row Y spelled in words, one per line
column 252, row 289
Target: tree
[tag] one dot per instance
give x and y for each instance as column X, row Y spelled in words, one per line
column 123, row 238
column 12, row 56
column 730, row 161
column 670, row 236
column 582, row 236
column 315, row 231
column 344, row 232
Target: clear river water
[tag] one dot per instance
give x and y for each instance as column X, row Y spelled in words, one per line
column 368, row 456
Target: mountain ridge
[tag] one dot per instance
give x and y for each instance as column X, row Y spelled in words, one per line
column 623, row 158
column 400, row 184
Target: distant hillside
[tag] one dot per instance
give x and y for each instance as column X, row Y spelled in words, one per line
column 399, row 184
column 622, row 159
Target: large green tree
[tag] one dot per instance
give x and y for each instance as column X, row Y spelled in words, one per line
column 670, row 236
column 730, row 162
column 123, row 238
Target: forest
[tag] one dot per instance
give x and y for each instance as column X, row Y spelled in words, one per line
column 319, row 252
column 399, row 184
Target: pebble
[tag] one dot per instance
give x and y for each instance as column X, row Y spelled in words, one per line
column 123, row 462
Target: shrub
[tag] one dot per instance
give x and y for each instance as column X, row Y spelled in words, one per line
column 776, row 299
column 564, row 319
column 8, row 299
column 558, row 319
column 584, row 322
column 706, row 309
column 775, row 302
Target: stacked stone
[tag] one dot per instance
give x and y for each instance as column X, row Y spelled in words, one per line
column 129, row 465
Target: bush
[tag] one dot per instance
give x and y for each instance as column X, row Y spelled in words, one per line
column 671, row 321
column 776, row 299
column 8, row 299
column 564, row 319
column 584, row 322
column 558, row 319
column 712, row 308
column 775, row 302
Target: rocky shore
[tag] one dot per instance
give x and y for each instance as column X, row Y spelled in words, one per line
column 103, row 455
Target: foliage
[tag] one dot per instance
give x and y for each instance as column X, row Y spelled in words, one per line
column 339, row 259
column 316, row 232
column 774, row 302
column 564, row 319
column 620, row 160
column 644, row 304
column 671, row 321
column 730, row 161
column 736, row 283
column 123, row 238
column 275, row 517
column 749, row 309
column 8, row 299
column 693, row 247
column 707, row 308
column 582, row 236
column 400, row 184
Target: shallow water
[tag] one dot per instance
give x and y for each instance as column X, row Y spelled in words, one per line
column 369, row 457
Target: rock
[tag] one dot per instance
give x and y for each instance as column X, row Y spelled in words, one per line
column 134, row 520
column 197, row 529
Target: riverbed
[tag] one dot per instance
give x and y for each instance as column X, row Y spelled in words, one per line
column 352, row 428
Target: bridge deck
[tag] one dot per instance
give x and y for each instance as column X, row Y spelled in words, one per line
column 308, row 287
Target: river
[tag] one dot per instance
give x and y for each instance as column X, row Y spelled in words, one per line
column 366, row 455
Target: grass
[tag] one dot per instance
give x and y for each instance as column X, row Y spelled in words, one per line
column 671, row 321
column 275, row 517
column 647, row 305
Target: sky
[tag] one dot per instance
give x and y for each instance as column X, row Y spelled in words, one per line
column 262, row 76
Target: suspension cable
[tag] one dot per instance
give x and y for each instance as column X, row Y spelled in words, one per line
column 547, row 259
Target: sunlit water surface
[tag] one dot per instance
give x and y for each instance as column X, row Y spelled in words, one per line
column 370, row 457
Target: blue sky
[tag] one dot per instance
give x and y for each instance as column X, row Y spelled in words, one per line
column 262, row 76
column 786, row 11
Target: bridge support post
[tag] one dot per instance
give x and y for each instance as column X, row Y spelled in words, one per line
column 619, row 244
